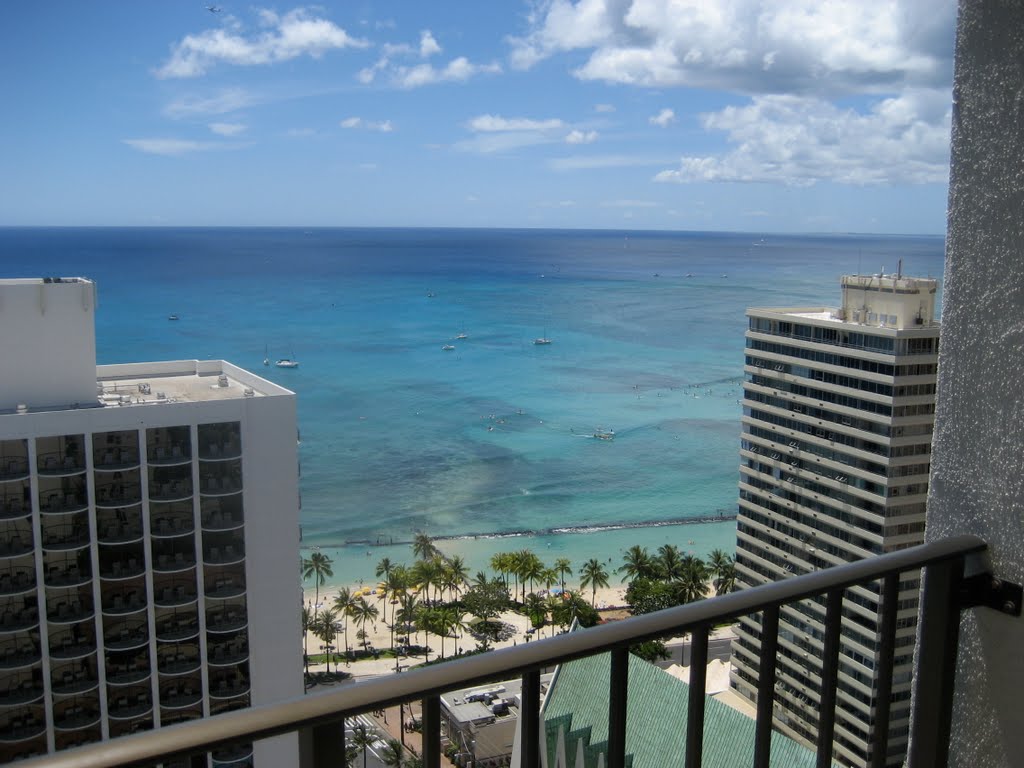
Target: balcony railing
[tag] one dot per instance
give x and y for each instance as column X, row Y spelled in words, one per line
column 321, row 716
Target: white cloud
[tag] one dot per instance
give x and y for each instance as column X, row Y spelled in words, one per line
column 604, row 107
column 663, row 119
column 300, row 133
column 486, row 123
column 801, row 46
column 457, row 70
column 227, row 129
column 800, row 140
column 171, row 146
column 231, row 100
column 296, row 33
column 428, row 45
column 383, row 126
column 581, row 137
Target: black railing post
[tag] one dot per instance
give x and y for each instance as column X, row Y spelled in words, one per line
column 695, row 705
column 432, row 732
column 617, row 701
column 766, row 686
column 829, row 677
column 937, row 636
column 327, row 742
column 879, row 747
column 530, row 715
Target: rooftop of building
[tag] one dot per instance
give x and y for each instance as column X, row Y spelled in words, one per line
column 176, row 381
column 486, row 703
column 577, row 706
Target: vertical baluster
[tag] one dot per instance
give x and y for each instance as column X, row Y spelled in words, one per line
column 883, row 670
column 327, row 741
column 695, row 709
column 432, row 732
column 938, row 635
column 617, row 700
column 530, row 714
column 829, row 677
column 766, row 686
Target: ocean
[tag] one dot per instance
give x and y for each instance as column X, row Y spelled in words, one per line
column 491, row 445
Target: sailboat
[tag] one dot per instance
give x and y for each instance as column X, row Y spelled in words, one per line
column 541, row 340
column 287, row 362
column 266, row 355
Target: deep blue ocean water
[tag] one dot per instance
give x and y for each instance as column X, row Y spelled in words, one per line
column 495, row 436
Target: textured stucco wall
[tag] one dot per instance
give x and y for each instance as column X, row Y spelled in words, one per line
column 977, row 483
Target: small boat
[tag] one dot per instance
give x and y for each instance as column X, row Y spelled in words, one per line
column 541, row 341
column 461, row 335
column 448, row 347
column 605, row 434
column 287, row 362
column 172, row 317
column 266, row 355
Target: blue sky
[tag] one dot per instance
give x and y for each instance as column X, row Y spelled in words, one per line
column 761, row 116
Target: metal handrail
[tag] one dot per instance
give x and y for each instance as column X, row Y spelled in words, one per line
column 314, row 711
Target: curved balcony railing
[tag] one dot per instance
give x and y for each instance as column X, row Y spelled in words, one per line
column 21, row 692
column 115, row 459
column 61, row 503
column 127, row 637
column 172, row 596
column 227, row 652
column 74, row 718
column 117, row 533
column 165, row 456
column 14, row 506
column 221, row 451
column 239, row 756
column 127, row 706
column 173, row 490
column 13, row 468
column 219, row 486
column 69, row 575
column 17, row 580
column 227, row 620
column 112, row 495
column 112, row 569
column 167, row 562
column 57, row 464
column 15, row 620
column 227, row 554
column 228, row 687
column 121, row 603
column 68, row 611
column 15, row 653
column 220, row 521
column 180, row 695
column 169, row 527
column 127, row 674
column 66, row 537
column 22, row 728
column 71, row 682
column 68, row 647
column 177, row 629
column 15, row 544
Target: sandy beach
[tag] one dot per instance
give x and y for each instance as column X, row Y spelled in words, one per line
column 607, row 599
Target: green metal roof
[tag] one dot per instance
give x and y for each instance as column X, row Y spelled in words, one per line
column 577, row 704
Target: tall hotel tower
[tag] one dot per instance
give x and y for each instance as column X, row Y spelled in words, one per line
column 148, row 536
column 837, row 424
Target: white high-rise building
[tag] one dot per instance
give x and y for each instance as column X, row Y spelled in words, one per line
column 838, row 412
column 148, row 536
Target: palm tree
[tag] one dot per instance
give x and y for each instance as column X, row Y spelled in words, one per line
column 318, row 567
column 529, row 567
column 343, row 604
column 393, row 754
column 362, row 739
column 363, row 612
column 637, row 564
column 536, row 609
column 395, row 584
column 501, row 563
column 563, row 566
column 692, row 582
column 669, row 560
column 423, row 547
column 457, row 574
column 719, row 563
column 307, row 625
column 325, row 630
column 593, row 575
column 725, row 582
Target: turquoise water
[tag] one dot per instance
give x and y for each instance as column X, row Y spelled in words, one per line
column 495, row 436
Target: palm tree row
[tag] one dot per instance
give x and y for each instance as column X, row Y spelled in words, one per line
column 687, row 574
